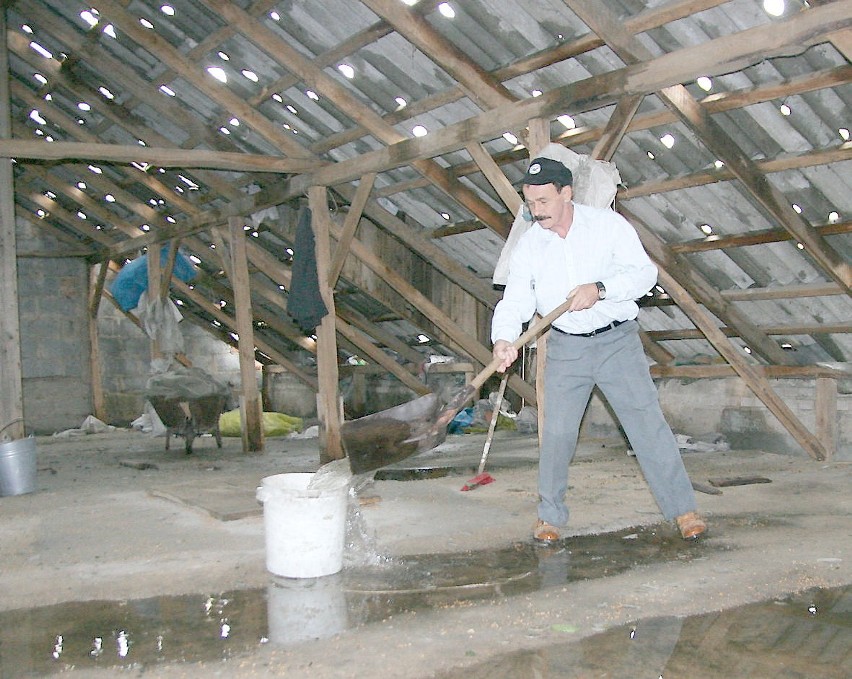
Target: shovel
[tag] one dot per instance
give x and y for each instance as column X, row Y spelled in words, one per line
column 386, row 437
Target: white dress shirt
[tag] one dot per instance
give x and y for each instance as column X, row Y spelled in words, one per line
column 600, row 246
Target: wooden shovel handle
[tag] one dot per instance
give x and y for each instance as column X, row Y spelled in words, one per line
column 534, row 330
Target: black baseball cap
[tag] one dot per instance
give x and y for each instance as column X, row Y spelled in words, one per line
column 547, row 171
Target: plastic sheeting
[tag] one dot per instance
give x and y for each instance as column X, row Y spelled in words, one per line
column 595, row 184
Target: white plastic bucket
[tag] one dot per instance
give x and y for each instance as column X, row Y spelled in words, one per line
column 305, row 528
column 18, row 466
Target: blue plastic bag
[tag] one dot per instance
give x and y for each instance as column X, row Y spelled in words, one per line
column 462, row 420
column 127, row 287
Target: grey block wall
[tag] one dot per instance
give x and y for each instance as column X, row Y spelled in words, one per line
column 728, row 406
column 54, row 333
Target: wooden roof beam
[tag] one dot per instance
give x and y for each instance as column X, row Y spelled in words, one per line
column 190, row 71
column 295, row 61
column 752, row 376
column 118, row 74
column 677, row 267
column 161, row 157
column 648, row 19
column 479, row 85
column 760, row 237
column 120, row 115
column 715, row 103
column 677, row 98
column 714, row 57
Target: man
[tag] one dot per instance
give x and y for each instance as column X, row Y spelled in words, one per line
column 594, row 256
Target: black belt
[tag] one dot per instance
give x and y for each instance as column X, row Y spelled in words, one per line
column 598, row 331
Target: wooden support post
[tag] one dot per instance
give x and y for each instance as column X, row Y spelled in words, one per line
column 11, row 373
column 96, row 287
column 153, row 290
column 328, row 401
column 167, row 272
column 251, row 408
column 539, row 137
column 825, row 406
column 350, row 225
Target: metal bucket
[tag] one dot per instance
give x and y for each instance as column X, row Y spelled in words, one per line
column 18, row 466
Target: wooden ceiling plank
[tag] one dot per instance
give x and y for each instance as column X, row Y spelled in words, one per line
column 480, row 86
column 192, row 73
column 777, row 330
column 161, row 157
column 326, row 86
column 783, row 292
column 699, row 287
column 759, row 237
column 604, row 22
column 711, row 58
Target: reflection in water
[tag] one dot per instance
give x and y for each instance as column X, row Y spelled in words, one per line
column 803, row 636
column 191, row 628
column 301, row 610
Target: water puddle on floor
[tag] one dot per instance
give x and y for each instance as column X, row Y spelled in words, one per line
column 143, row 633
column 802, row 636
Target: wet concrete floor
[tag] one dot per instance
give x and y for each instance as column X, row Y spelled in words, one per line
column 146, row 632
column 802, row 636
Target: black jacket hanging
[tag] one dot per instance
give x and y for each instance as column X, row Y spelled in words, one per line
column 305, row 303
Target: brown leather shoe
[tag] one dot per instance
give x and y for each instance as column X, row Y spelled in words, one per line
column 545, row 533
column 691, row 525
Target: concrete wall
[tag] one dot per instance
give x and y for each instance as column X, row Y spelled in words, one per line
column 54, row 332
column 728, row 406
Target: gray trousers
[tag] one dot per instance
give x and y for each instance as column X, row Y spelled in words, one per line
column 615, row 362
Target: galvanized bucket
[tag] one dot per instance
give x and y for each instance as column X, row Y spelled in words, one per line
column 18, row 466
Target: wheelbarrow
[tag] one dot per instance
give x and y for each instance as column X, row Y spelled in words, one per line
column 189, row 418
column 389, row 436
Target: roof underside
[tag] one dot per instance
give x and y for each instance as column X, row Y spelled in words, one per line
column 733, row 154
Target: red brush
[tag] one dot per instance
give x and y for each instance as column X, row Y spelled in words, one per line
column 484, row 478
column 479, row 480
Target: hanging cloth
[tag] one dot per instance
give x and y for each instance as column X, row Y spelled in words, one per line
column 305, row 304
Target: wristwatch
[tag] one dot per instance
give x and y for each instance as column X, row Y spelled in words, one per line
column 601, row 290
